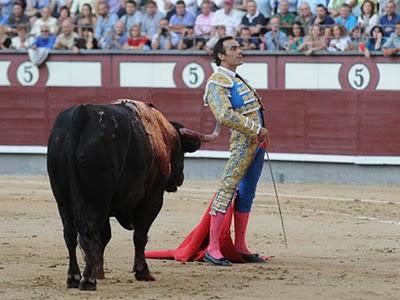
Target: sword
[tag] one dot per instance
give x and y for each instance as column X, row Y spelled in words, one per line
column 277, row 198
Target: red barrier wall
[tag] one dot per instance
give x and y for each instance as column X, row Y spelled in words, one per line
column 323, row 122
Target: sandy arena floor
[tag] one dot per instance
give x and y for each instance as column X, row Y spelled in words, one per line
column 344, row 243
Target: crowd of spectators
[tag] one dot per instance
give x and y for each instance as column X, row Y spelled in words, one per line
column 303, row 26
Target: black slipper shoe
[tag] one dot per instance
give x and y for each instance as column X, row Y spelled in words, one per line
column 217, row 261
column 252, row 258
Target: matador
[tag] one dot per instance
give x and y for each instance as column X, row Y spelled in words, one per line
column 235, row 105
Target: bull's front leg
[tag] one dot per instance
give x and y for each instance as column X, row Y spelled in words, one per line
column 143, row 219
column 140, row 267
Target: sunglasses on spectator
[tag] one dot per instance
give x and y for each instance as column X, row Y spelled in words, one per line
column 44, row 30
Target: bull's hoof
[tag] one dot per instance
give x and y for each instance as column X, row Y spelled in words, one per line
column 87, row 285
column 72, row 283
column 144, row 276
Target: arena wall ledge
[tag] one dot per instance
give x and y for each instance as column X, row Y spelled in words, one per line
column 333, row 118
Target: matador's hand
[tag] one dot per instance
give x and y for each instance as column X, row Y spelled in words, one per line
column 263, row 138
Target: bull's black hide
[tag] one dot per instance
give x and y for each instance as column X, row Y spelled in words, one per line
column 101, row 164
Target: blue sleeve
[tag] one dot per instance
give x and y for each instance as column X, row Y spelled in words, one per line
column 352, row 23
column 389, row 42
column 51, row 41
column 98, row 29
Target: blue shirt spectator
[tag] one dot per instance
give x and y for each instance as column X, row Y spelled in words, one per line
column 116, row 38
column 151, row 19
column 165, row 38
column 394, row 40
column 182, row 18
column 45, row 41
column 275, row 39
column 105, row 21
column 377, row 39
column 346, row 19
column 275, row 42
column 389, row 20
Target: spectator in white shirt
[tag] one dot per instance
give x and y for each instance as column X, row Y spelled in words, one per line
column 22, row 40
column 229, row 17
column 46, row 19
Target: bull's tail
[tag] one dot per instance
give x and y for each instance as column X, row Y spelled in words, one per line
column 79, row 117
column 88, row 235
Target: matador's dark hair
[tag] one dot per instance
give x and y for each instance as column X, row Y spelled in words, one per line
column 219, row 48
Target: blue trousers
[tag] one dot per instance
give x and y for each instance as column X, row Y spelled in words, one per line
column 247, row 186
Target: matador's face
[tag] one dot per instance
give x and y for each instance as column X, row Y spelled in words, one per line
column 233, row 56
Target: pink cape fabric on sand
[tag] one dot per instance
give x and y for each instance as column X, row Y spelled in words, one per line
column 195, row 244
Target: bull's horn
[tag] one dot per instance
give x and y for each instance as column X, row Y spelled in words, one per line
column 205, row 138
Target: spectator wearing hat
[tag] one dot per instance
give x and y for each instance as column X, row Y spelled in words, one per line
column 228, row 16
column 105, row 21
column 253, row 19
column 151, row 19
column 392, row 44
column 46, row 19
column 22, row 40
column 165, row 38
column 46, row 39
column 346, row 18
column 275, row 39
column 67, row 38
column 389, row 20
column 182, row 18
column 202, row 25
column 132, row 17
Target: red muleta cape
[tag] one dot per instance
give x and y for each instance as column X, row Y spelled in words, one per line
column 195, row 244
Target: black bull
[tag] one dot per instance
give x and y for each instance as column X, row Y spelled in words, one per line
column 101, row 163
